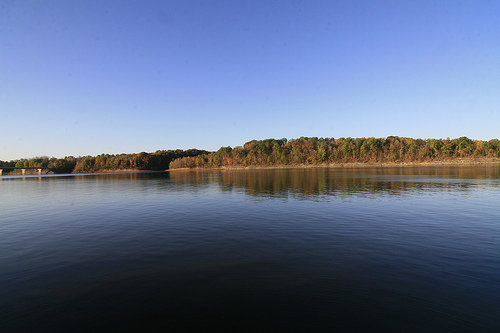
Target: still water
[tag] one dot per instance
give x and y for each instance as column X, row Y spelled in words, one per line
column 298, row 250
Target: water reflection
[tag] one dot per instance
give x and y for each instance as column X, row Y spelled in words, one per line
column 297, row 183
column 345, row 181
column 206, row 250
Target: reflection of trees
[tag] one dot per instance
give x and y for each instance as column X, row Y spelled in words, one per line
column 190, row 177
column 114, row 176
column 304, row 182
column 339, row 181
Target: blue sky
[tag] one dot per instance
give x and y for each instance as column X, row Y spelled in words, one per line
column 92, row 77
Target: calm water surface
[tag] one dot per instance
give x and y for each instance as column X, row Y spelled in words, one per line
column 357, row 250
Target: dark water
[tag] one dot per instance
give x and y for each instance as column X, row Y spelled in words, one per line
column 354, row 250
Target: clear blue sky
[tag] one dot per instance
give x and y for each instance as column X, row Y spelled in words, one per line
column 92, row 77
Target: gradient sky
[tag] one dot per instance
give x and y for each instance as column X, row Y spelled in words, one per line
column 93, row 77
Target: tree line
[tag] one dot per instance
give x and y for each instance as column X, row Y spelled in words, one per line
column 157, row 161
column 313, row 150
column 277, row 152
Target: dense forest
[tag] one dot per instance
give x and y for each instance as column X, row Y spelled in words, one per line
column 393, row 149
column 156, row 161
column 282, row 152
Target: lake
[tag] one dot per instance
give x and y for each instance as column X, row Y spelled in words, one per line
column 414, row 249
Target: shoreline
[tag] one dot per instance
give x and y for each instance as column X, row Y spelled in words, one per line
column 454, row 162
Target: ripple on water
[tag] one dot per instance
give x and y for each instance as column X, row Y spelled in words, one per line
column 273, row 251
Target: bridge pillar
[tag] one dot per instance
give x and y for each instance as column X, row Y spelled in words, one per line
column 39, row 171
column 1, row 171
column 23, row 171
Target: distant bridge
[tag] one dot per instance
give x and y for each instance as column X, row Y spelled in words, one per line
column 23, row 169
